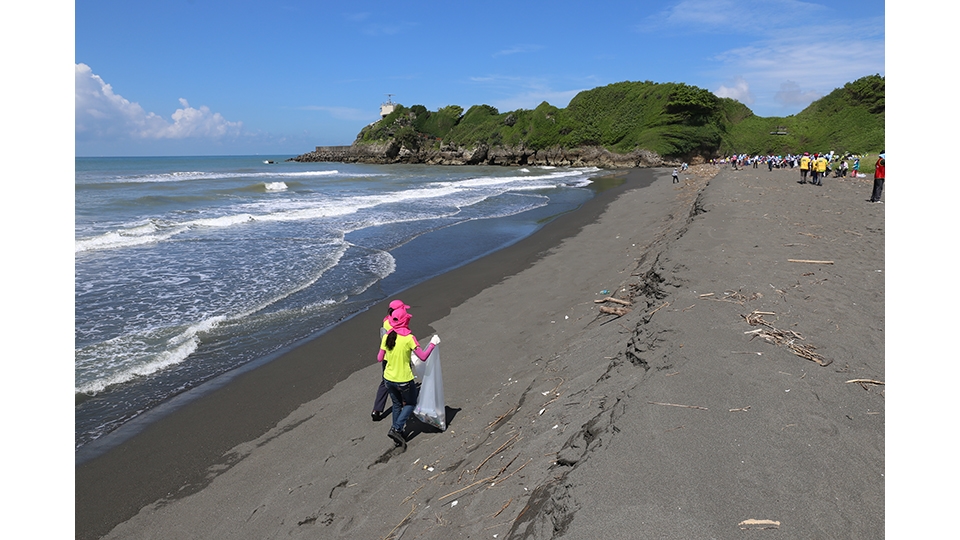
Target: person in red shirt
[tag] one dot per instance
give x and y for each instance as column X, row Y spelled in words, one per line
column 878, row 177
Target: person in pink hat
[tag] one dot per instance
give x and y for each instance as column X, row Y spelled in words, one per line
column 395, row 349
column 380, row 402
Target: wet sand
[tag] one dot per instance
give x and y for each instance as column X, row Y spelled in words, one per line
column 721, row 395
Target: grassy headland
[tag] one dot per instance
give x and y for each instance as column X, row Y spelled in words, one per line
column 675, row 120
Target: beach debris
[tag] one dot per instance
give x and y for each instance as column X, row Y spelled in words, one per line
column 677, row 405
column 618, row 311
column 758, row 524
column 504, row 507
column 502, row 416
column 402, row 522
column 614, row 300
column 665, row 304
column 811, row 261
column 864, row 382
column 495, row 452
column 741, row 409
column 789, row 338
column 736, row 298
column 491, row 478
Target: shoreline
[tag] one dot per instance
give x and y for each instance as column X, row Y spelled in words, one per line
column 686, row 415
column 121, row 477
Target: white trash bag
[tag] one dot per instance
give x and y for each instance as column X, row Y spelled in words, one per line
column 417, row 365
column 431, row 409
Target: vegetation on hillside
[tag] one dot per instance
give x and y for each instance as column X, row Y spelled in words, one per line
column 674, row 120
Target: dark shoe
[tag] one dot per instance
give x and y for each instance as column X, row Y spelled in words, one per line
column 376, row 416
column 397, row 438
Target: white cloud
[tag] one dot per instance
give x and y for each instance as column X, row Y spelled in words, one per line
column 102, row 114
column 791, row 95
column 732, row 16
column 740, row 91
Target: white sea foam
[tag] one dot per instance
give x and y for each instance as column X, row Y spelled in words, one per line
column 136, row 235
column 223, row 221
column 200, row 175
column 275, row 186
column 177, row 350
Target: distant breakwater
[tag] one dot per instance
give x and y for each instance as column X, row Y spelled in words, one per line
column 394, row 152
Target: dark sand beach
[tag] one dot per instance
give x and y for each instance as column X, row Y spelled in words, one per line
column 722, row 402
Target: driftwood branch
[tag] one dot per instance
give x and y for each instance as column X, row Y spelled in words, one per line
column 614, row 300
column 402, row 521
column 619, row 312
column 503, row 446
column 676, row 405
column 665, row 304
column 809, row 261
column 503, row 508
column 864, row 382
column 788, row 338
column 501, row 417
column 758, row 524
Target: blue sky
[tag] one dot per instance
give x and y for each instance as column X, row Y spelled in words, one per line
column 212, row 77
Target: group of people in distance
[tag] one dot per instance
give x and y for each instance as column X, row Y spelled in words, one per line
column 396, row 344
column 813, row 168
column 817, row 167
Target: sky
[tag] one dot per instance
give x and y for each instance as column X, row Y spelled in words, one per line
column 200, row 77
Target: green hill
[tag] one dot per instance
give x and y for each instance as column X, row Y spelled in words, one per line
column 675, row 120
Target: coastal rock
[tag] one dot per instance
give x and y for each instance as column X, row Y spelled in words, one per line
column 481, row 154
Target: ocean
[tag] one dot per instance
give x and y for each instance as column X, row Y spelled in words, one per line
column 190, row 268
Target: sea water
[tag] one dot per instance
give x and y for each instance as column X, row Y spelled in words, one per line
column 187, row 268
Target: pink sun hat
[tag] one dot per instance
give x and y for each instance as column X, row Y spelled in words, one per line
column 397, row 304
column 399, row 320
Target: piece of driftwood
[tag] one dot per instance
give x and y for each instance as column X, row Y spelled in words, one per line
column 501, row 417
column 788, row 338
column 502, row 509
column 665, row 304
column 619, row 312
column 676, row 405
column 864, row 382
column 811, row 261
column 402, row 521
column 758, row 524
column 806, row 351
column 614, row 300
column 495, row 452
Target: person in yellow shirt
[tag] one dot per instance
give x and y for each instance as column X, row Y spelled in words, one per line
column 821, row 166
column 381, row 400
column 804, row 167
column 395, row 349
